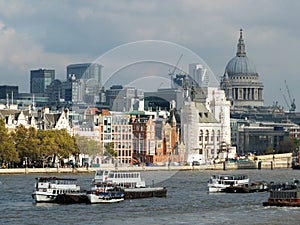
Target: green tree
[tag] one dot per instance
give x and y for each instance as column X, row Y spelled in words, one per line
column 109, row 147
column 44, row 148
column 88, row 146
column 66, row 145
column 56, row 144
column 8, row 151
column 270, row 150
column 286, row 146
column 26, row 143
column 296, row 142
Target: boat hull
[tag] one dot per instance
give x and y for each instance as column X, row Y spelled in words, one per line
column 296, row 167
column 282, row 204
column 132, row 193
column 43, row 197
column 99, row 198
column 71, row 198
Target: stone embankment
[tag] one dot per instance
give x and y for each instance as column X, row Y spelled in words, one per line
column 277, row 163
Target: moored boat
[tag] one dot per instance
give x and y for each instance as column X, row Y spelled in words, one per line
column 71, row 198
column 131, row 183
column 147, row 192
column 284, row 198
column 294, row 184
column 296, row 166
column 258, row 186
column 120, row 178
column 102, row 192
column 46, row 189
column 218, row 183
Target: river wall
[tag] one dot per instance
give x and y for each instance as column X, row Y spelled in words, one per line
column 282, row 163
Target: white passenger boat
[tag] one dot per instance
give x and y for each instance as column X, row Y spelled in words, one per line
column 131, row 183
column 217, row 183
column 101, row 192
column 120, row 178
column 46, row 189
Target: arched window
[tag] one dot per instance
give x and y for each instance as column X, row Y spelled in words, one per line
column 206, row 135
column 218, row 136
column 201, row 136
column 212, row 137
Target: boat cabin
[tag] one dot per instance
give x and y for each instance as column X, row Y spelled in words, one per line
column 120, row 178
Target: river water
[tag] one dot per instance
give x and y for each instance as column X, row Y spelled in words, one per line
column 187, row 202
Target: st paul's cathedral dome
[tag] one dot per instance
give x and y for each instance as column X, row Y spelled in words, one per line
column 240, row 81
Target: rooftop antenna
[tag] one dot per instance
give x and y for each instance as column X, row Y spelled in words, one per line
column 33, row 103
column 7, row 101
column 12, row 97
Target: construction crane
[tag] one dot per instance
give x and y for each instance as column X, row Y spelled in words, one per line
column 291, row 103
column 285, row 99
column 175, row 68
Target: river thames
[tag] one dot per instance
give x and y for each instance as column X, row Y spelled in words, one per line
column 187, row 202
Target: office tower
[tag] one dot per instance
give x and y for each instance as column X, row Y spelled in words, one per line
column 85, row 71
column 40, row 79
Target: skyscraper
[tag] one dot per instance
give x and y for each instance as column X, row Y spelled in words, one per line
column 85, row 71
column 40, row 79
column 10, row 92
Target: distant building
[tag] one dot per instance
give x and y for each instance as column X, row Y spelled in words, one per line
column 83, row 85
column 205, row 126
column 160, row 100
column 85, row 71
column 9, row 92
column 41, row 120
column 40, row 79
column 198, row 73
column 125, row 99
column 143, row 137
column 241, row 81
column 54, row 92
column 115, row 127
column 72, row 90
column 258, row 138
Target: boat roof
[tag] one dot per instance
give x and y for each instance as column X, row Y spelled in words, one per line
column 55, row 178
column 116, row 171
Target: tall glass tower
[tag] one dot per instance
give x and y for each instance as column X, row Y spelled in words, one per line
column 40, row 79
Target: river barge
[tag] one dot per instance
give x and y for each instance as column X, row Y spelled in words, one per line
column 131, row 182
column 147, row 192
column 284, row 198
column 258, row 186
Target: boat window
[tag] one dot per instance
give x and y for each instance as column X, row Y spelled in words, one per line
column 99, row 173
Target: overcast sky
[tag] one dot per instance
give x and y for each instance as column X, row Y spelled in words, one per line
column 53, row 34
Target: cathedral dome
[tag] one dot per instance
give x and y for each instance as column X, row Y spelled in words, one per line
column 240, row 64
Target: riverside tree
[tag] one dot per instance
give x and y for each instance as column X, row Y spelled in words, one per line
column 26, row 143
column 35, row 147
column 8, row 153
column 109, row 148
column 88, row 146
column 56, row 144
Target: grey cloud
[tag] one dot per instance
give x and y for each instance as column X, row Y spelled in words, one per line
column 82, row 30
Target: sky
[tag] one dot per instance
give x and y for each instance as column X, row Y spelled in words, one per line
column 53, row 34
